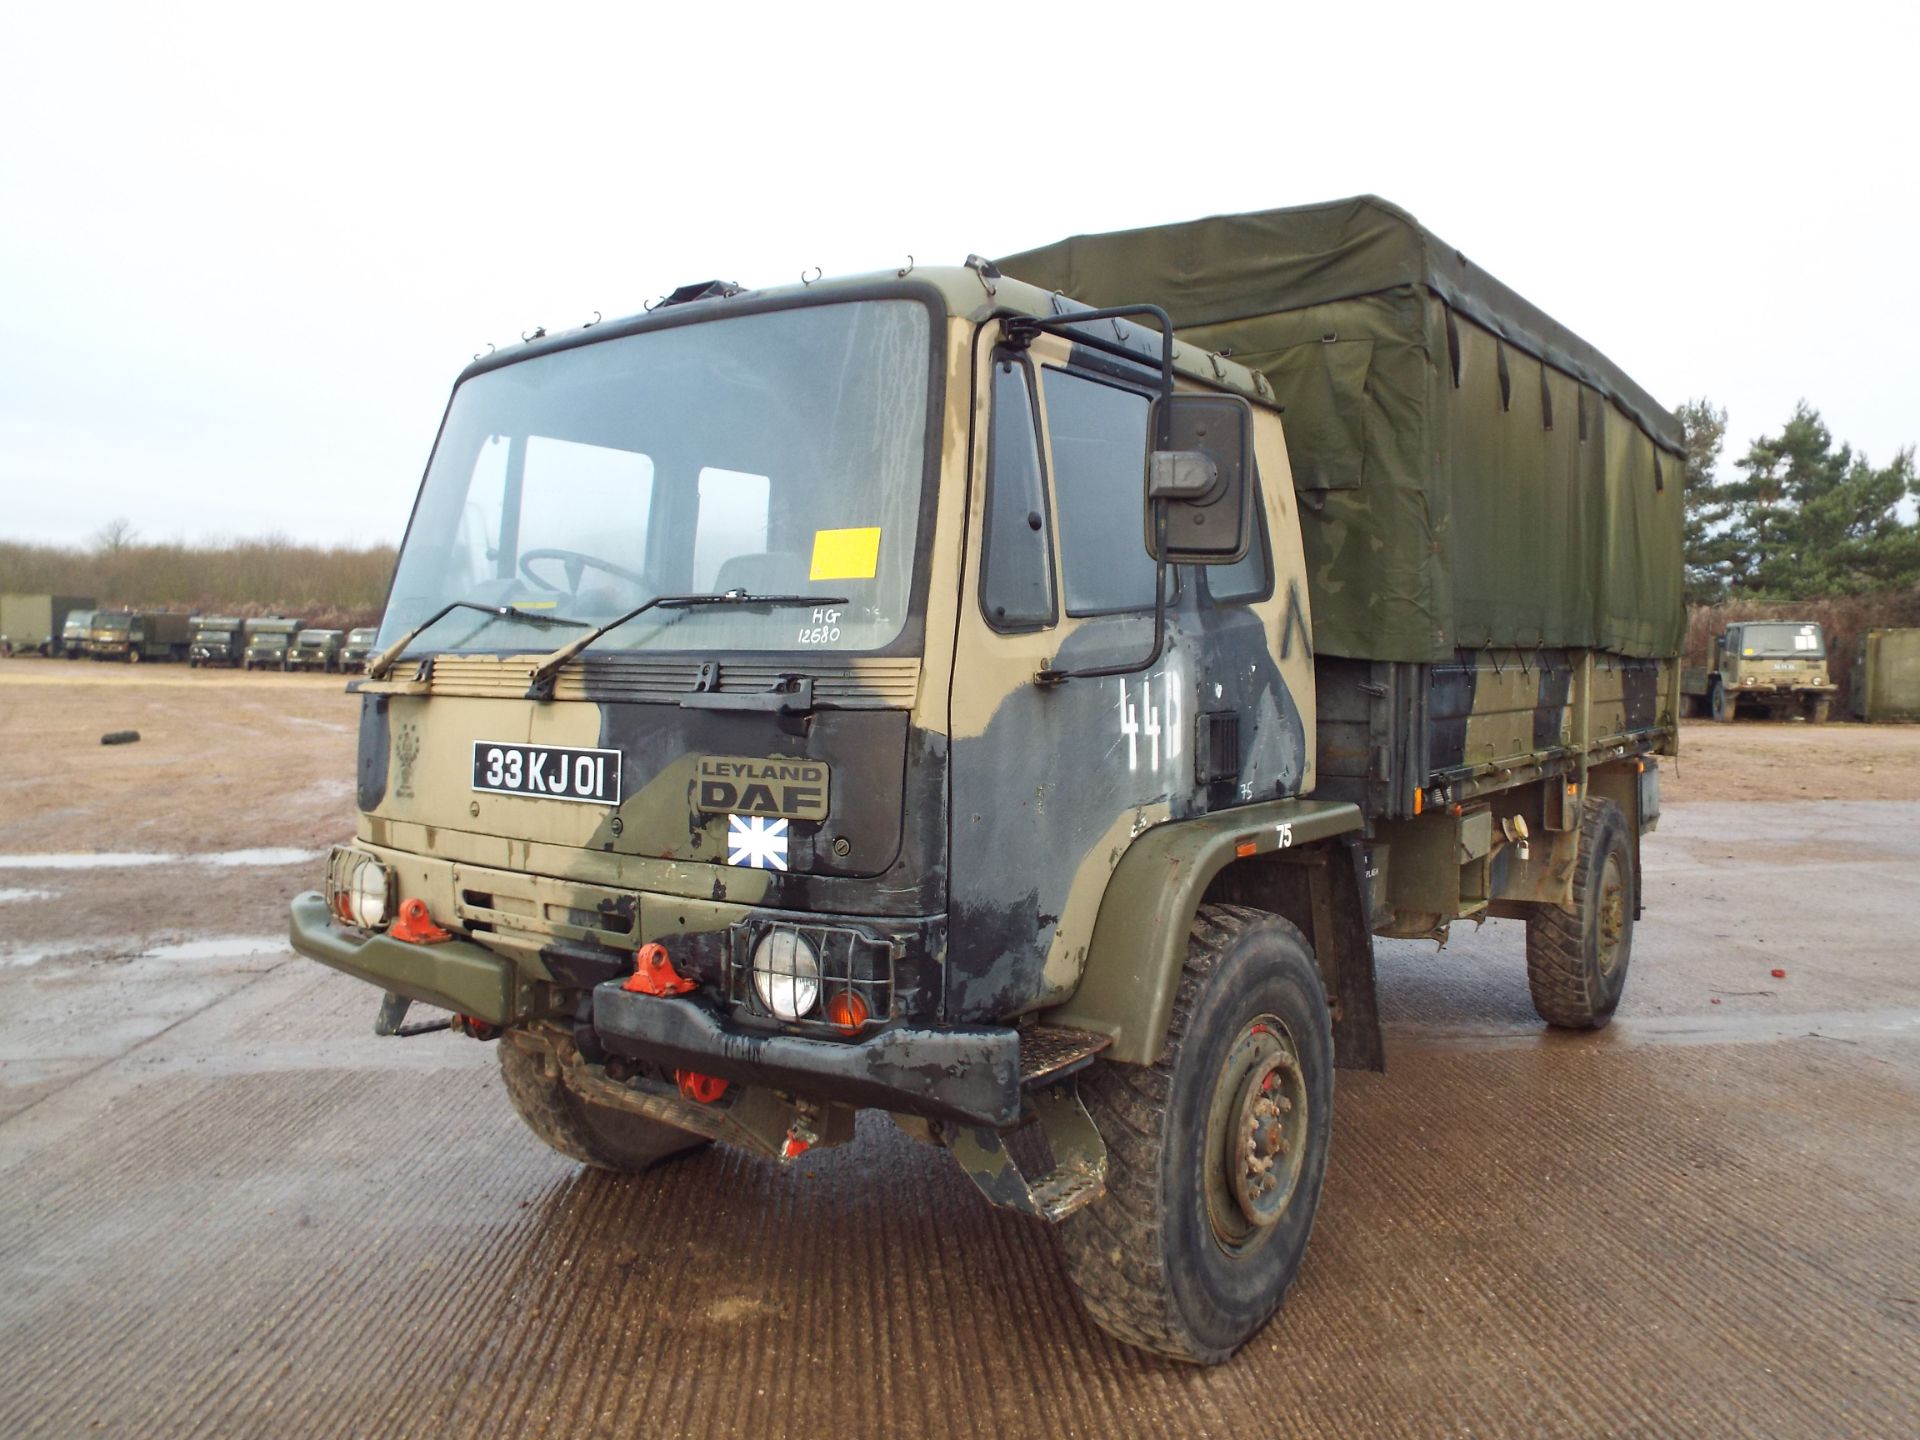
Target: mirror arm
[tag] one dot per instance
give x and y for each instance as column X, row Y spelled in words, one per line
column 1049, row 677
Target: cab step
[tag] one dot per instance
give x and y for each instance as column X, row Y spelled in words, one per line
column 1053, row 1052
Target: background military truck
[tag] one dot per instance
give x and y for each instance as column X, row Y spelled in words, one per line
column 927, row 693
column 1778, row 667
column 358, row 647
column 137, row 635
column 74, row 632
column 315, row 650
column 268, row 638
column 36, row 624
column 216, row 640
column 1886, row 677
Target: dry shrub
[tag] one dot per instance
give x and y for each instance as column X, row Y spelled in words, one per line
column 338, row 586
column 1843, row 619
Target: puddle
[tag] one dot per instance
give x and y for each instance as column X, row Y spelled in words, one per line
column 127, row 859
column 226, row 948
column 8, row 897
column 34, row 954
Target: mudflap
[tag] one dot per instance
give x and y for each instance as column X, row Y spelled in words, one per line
column 1077, row 1154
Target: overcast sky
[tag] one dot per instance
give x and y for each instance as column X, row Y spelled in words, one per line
column 244, row 251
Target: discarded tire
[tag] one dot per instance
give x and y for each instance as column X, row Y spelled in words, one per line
column 120, row 737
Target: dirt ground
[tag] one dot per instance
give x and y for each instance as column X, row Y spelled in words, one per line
column 1792, row 760
column 225, row 1208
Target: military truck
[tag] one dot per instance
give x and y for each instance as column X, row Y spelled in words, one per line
column 216, row 640
column 268, row 639
column 1775, row 667
column 74, row 632
column 37, row 624
column 359, row 646
column 1886, row 677
column 315, row 650
column 137, row 635
column 930, row 694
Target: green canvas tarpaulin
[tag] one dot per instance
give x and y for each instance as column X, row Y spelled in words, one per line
column 1470, row 472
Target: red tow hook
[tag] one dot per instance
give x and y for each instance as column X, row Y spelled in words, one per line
column 653, row 973
column 702, row 1089
column 415, row 925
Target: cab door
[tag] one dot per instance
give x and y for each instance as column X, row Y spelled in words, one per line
column 1049, row 783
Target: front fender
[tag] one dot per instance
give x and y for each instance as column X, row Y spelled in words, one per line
column 1139, row 942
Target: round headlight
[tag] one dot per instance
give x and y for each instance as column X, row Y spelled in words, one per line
column 786, row 974
column 366, row 894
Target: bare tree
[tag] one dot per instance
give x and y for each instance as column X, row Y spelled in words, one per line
column 114, row 537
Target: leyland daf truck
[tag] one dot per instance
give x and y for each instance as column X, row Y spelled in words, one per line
column 1770, row 667
column 1012, row 697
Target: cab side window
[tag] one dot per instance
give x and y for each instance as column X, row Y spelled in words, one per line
column 1099, row 438
column 1016, row 563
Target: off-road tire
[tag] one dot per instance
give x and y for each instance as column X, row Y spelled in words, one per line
column 133, row 656
column 579, row 1129
column 1820, row 710
column 1144, row 1257
column 1574, row 983
column 1722, row 706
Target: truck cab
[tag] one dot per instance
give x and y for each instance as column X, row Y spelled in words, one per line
column 1772, row 667
column 74, row 633
column 268, row 640
column 216, row 640
column 358, row 647
column 315, row 650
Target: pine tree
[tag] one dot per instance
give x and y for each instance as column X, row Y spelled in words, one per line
column 1705, row 426
column 1808, row 519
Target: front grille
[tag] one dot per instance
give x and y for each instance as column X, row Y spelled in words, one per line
column 851, row 964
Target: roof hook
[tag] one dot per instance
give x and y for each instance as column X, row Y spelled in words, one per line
column 905, row 270
column 476, row 354
column 987, row 271
column 593, row 322
column 536, row 333
column 654, row 304
column 803, row 276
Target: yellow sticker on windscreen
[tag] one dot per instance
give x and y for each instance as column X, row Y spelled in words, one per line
column 845, row 554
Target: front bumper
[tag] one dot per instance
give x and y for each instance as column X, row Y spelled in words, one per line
column 455, row 975
column 965, row 1073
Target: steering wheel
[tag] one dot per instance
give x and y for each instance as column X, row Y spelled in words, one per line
column 576, row 563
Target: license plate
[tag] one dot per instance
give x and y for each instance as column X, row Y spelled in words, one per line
column 553, row 772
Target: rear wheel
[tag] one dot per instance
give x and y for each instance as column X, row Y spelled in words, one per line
column 578, row 1128
column 1577, row 959
column 1216, row 1153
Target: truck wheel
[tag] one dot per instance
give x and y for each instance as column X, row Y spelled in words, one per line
column 1216, row 1153
column 1723, row 705
column 1820, row 709
column 1577, row 959
column 579, row 1129
column 133, row 656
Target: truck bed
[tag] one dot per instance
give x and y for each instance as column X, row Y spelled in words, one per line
column 1485, row 721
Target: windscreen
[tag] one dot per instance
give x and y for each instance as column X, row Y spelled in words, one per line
column 772, row 454
column 1782, row 641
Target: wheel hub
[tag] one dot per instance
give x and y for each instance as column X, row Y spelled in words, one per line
column 1258, row 1134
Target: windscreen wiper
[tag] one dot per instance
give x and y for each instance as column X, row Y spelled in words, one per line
column 383, row 662
column 540, row 683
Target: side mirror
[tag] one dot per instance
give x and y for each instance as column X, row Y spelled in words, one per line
column 1199, row 479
